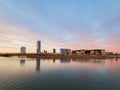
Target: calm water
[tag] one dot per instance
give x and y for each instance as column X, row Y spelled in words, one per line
column 39, row 74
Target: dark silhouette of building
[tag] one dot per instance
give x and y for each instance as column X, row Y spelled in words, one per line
column 38, row 47
column 54, row 51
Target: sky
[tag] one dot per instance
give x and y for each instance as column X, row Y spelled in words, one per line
column 74, row 24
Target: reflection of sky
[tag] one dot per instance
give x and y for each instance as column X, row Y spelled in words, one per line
column 60, row 23
column 49, row 66
column 93, row 74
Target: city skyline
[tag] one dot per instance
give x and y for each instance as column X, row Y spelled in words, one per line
column 74, row 24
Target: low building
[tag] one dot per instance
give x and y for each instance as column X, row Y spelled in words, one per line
column 97, row 52
column 89, row 52
column 65, row 51
column 80, row 52
column 23, row 50
column 109, row 53
column 54, row 51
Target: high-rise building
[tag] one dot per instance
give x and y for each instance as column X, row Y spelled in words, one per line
column 38, row 47
column 23, row 50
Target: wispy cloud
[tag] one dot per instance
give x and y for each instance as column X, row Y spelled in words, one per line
column 71, row 24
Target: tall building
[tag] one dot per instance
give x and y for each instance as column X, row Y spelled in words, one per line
column 65, row 51
column 54, row 50
column 23, row 50
column 38, row 47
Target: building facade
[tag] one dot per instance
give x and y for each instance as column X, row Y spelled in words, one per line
column 89, row 52
column 97, row 52
column 38, row 47
column 23, row 50
column 65, row 51
column 109, row 53
column 54, row 51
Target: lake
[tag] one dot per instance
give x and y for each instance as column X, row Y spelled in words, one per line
column 65, row 74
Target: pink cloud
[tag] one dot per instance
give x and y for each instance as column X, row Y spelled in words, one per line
column 113, row 43
column 12, row 35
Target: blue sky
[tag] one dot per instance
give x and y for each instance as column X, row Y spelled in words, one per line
column 75, row 24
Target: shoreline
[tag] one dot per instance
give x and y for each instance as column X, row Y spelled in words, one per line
column 62, row 56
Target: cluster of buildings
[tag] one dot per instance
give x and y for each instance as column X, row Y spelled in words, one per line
column 38, row 50
column 89, row 52
column 84, row 51
column 69, row 51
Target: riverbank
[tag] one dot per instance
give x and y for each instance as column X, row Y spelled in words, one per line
column 59, row 56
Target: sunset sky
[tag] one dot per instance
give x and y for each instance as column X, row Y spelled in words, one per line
column 75, row 24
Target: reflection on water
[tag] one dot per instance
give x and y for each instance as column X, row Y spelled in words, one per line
column 53, row 60
column 55, row 74
column 38, row 64
column 88, row 61
column 22, row 62
column 65, row 60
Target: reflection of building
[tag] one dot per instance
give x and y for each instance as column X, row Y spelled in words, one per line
column 38, row 47
column 65, row 51
column 65, row 60
column 89, row 61
column 54, row 50
column 23, row 50
column 54, row 60
column 22, row 62
column 89, row 52
column 38, row 64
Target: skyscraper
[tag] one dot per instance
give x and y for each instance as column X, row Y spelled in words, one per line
column 23, row 50
column 38, row 47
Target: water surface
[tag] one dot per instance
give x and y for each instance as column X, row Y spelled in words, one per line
column 42, row 74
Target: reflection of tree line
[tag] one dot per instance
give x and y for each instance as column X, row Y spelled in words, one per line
column 54, row 60
column 22, row 62
column 88, row 61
